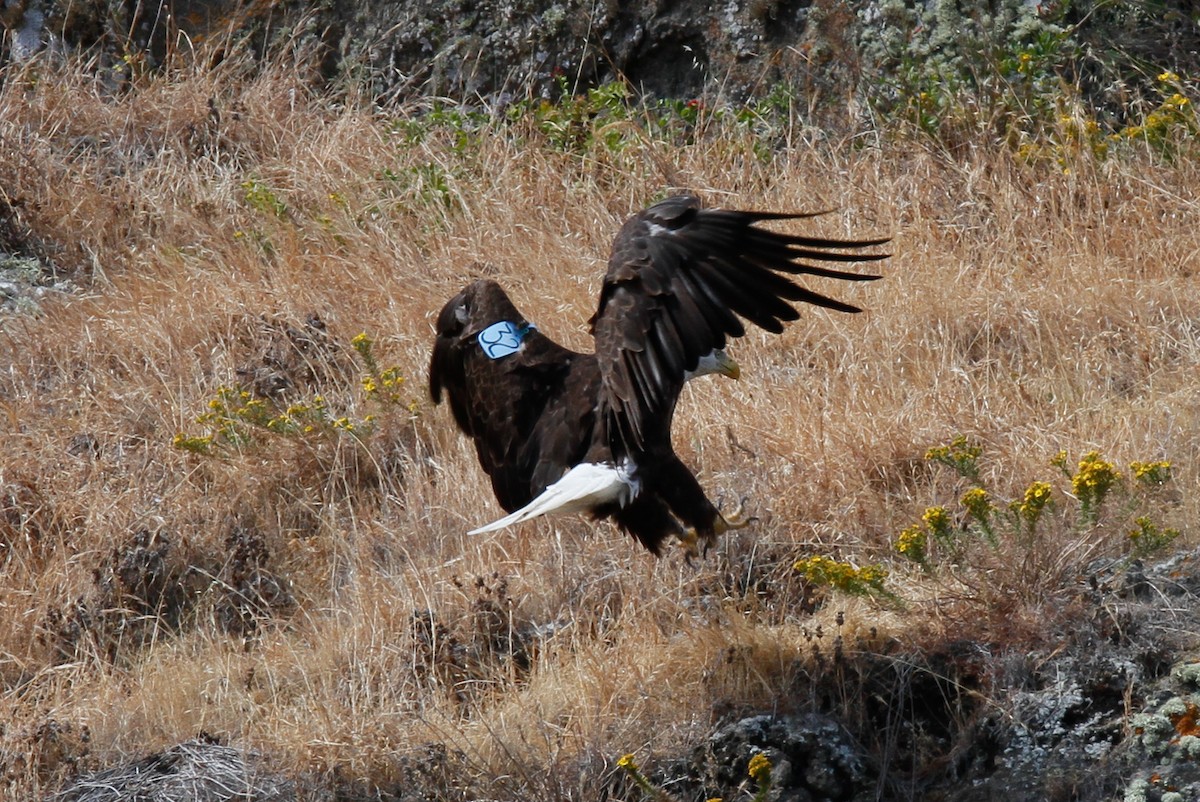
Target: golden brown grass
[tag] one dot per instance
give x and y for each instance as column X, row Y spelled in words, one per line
column 1032, row 309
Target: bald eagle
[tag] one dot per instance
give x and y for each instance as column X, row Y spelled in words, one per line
column 562, row 431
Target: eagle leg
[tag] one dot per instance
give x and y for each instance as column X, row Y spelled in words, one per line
column 694, row 544
column 697, row 542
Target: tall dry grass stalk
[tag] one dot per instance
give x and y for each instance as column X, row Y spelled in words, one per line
column 205, row 218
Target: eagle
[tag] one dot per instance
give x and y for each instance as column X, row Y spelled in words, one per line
column 561, row 431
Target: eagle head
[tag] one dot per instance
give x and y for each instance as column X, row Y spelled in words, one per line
column 479, row 304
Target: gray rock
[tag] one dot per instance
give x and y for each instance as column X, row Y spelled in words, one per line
column 811, row 758
column 25, row 282
column 194, row 771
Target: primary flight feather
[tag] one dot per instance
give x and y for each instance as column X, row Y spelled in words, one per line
column 559, row 431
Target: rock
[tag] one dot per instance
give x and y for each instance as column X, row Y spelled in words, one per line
column 1112, row 711
column 24, row 283
column 811, row 758
column 825, row 52
column 200, row 770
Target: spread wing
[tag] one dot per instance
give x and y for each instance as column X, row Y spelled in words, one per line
column 501, row 403
column 679, row 281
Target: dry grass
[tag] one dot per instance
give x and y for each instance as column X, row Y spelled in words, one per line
column 316, row 599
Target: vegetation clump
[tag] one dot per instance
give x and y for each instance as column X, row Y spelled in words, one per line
column 1028, row 527
column 235, row 414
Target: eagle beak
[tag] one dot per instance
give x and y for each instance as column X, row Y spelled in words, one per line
column 726, row 365
column 715, row 361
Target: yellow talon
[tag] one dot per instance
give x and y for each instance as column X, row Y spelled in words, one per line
column 697, row 544
column 688, row 540
column 738, row 519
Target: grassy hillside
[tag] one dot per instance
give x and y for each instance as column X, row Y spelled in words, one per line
column 171, row 564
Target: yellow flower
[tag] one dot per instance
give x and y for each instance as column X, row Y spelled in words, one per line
column 1147, row 538
column 1095, row 475
column 1091, row 484
column 961, row 455
column 938, row 521
column 842, row 576
column 279, row 423
column 198, row 445
column 1151, row 472
column 760, row 768
column 977, row 503
column 1038, row 493
column 913, row 543
column 1168, row 77
column 872, row 574
column 1037, row 496
column 626, row 762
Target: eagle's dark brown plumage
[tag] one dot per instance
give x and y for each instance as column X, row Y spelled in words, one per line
column 680, row 280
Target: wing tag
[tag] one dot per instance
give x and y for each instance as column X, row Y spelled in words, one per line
column 504, row 338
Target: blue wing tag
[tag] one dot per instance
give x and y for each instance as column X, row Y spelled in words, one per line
column 504, row 338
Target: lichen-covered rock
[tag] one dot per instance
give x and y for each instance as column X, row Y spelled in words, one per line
column 1164, row 749
column 490, row 48
column 824, row 51
column 809, row 757
column 200, row 770
column 1111, row 712
column 25, row 282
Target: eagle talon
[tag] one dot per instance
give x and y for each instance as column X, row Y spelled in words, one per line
column 688, row 540
column 738, row 519
column 695, row 544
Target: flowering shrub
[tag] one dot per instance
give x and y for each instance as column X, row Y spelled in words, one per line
column 759, row 770
column 235, row 416
column 1092, row 482
column 1012, row 69
column 843, row 576
column 960, row 455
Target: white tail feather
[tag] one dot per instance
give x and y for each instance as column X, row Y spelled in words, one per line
column 582, row 488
